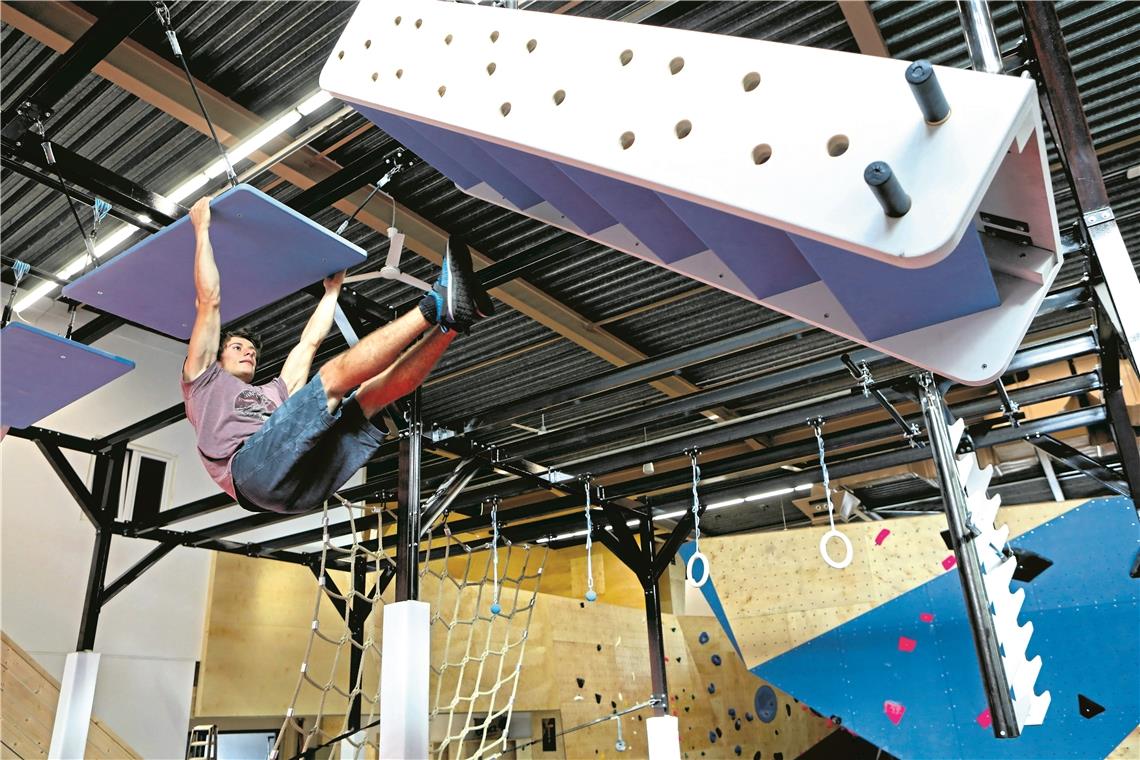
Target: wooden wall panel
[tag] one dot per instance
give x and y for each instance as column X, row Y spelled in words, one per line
column 29, row 695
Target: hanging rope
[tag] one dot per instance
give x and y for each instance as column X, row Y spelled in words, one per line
column 690, row 568
column 591, row 595
column 164, row 18
column 817, row 426
column 496, row 608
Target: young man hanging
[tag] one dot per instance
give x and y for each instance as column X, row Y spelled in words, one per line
column 288, row 445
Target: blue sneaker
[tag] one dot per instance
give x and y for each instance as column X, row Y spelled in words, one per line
column 457, row 299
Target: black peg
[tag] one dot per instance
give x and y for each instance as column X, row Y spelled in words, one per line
column 926, row 90
column 885, row 185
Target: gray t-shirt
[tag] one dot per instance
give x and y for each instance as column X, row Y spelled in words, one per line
column 225, row 411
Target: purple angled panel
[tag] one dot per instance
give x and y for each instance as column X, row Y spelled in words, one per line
column 42, row 373
column 264, row 251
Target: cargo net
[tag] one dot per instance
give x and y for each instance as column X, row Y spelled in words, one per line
column 476, row 654
column 318, row 714
column 482, row 598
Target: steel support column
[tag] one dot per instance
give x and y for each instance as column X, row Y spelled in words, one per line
column 359, row 610
column 649, row 583
column 93, row 600
column 1123, row 433
column 408, row 505
column 994, row 678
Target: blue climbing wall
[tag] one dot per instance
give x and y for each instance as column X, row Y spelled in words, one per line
column 916, row 653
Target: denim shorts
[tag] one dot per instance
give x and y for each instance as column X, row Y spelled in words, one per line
column 303, row 454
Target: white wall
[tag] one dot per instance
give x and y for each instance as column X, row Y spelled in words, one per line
column 150, row 635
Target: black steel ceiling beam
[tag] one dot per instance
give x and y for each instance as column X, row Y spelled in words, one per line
column 132, row 574
column 99, row 327
column 1085, row 465
column 229, row 547
column 38, row 100
column 145, row 426
column 366, row 170
column 72, row 482
column 119, row 191
column 63, row 440
column 638, row 372
column 36, row 174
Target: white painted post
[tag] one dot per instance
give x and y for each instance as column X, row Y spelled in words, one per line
column 664, row 738
column 73, row 713
column 404, row 670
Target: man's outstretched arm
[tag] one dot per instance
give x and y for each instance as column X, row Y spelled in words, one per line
column 203, row 348
column 295, row 371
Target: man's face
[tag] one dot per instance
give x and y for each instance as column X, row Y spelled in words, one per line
column 239, row 358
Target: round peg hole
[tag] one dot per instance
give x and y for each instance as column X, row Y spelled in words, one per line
column 625, row 57
column 683, row 128
column 838, row 145
column 442, row 90
column 761, row 153
column 375, row 75
column 676, row 65
column 340, row 55
column 627, row 139
column 559, row 96
column 447, row 40
column 399, row 73
column 398, row 19
column 531, row 45
column 367, row 44
column 505, row 109
column 751, row 81
column 419, row 23
column 494, row 36
column 491, row 68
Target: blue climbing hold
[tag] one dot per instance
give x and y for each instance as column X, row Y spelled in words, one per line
column 732, row 712
column 748, row 717
column 765, row 703
column 737, row 749
column 712, row 688
column 716, row 659
column 591, row 596
column 704, row 637
column 712, row 737
column 496, row 608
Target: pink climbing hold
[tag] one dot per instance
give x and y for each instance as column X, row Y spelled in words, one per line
column 882, row 537
column 984, row 718
column 906, row 645
column 949, row 562
column 894, row 711
column 926, row 617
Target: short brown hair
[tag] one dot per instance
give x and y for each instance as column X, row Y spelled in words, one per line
column 240, row 332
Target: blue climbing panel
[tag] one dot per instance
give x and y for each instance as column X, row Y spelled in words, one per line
column 264, row 251
column 40, row 373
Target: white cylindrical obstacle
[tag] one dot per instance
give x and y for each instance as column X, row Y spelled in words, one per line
column 404, row 672
column 664, row 738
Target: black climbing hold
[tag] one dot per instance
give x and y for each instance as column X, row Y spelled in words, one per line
column 748, row 717
column 678, row 659
column 597, row 698
column 777, row 732
column 712, row 737
column 1029, row 564
column 789, row 709
column 736, row 725
column 777, row 756
column 639, row 717
column 674, row 629
column 732, row 712
column 716, row 659
column 738, row 749
column 704, row 637
column 581, row 682
column 946, row 539
column 718, row 732
column 765, row 704
column 758, row 755
column 712, row 688
column 599, row 647
column 692, row 696
column 583, row 605
column 613, row 704
column 1089, row 709
column 686, row 708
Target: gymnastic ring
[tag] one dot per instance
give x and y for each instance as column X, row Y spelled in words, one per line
column 690, row 576
column 833, row 533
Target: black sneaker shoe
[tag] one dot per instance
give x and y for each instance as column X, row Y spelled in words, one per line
column 457, row 300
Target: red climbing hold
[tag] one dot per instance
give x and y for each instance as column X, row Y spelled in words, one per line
column 984, row 718
column 949, row 562
column 894, row 711
column 926, row 617
column 906, row 645
column 882, row 537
